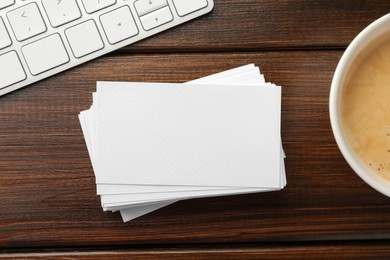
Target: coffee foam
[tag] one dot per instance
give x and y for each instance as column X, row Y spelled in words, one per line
column 365, row 106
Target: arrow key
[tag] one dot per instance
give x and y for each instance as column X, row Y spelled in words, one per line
column 147, row 6
column 119, row 25
column 156, row 18
column 26, row 21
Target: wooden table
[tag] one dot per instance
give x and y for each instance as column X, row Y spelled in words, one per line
column 48, row 204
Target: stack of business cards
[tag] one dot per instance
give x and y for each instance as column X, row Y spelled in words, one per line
column 152, row 144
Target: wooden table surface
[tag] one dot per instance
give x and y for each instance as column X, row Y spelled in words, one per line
column 48, row 204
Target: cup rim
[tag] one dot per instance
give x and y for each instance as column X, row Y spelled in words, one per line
column 368, row 35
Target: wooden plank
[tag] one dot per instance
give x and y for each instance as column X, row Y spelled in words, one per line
column 47, row 185
column 381, row 251
column 270, row 24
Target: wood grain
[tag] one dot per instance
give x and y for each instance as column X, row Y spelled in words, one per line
column 269, row 24
column 47, row 184
column 362, row 251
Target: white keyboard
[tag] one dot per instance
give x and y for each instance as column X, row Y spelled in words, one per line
column 39, row 38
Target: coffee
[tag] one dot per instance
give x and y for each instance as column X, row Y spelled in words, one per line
column 365, row 107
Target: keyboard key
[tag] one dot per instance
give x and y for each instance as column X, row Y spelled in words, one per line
column 147, row 6
column 185, row 7
column 84, row 39
column 5, row 40
column 6, row 3
column 156, row 18
column 119, row 25
column 92, row 6
column 45, row 54
column 26, row 21
column 61, row 11
column 11, row 69
column 77, row 31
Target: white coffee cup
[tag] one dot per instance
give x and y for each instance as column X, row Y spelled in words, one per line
column 363, row 42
